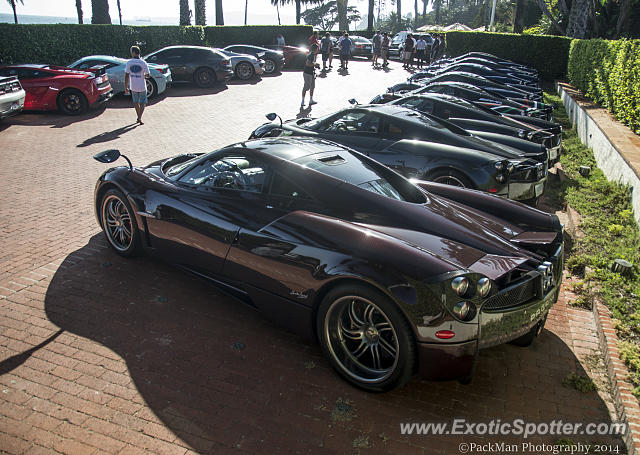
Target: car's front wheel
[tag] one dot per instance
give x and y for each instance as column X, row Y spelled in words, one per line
column 72, row 102
column 366, row 338
column 270, row 66
column 119, row 224
column 204, row 77
column 450, row 177
column 244, row 71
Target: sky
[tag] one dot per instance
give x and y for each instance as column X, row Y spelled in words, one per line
column 259, row 11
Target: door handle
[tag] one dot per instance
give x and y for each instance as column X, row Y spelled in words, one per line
column 236, row 239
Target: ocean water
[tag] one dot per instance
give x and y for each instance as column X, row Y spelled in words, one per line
column 29, row 19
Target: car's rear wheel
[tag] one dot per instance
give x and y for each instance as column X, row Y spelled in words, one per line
column 244, row 71
column 366, row 338
column 119, row 224
column 270, row 66
column 204, row 77
column 450, row 177
column 72, row 102
column 152, row 87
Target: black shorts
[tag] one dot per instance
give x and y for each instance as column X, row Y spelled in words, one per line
column 325, row 56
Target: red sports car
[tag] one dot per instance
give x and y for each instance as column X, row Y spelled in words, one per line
column 50, row 87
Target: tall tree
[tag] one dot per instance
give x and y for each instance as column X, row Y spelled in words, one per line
column 415, row 11
column 100, row 12
column 79, row 9
column 298, row 4
column 219, row 13
column 119, row 12
column 343, row 22
column 200, row 12
column 13, row 6
column 425, row 3
column 246, row 6
column 518, row 16
column 578, row 17
column 185, row 19
column 370, row 16
column 399, row 9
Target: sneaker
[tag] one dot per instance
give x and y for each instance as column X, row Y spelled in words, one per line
column 312, row 102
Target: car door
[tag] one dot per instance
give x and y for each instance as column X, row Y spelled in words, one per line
column 356, row 128
column 395, row 155
column 36, row 84
column 177, row 59
column 196, row 220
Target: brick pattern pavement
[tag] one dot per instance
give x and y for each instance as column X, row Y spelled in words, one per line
column 106, row 355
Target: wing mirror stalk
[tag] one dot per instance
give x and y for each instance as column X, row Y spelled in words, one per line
column 272, row 116
column 110, row 156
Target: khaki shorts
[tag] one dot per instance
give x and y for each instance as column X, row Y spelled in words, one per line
column 408, row 55
column 309, row 81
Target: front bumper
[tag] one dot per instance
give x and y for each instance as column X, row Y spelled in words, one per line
column 522, row 191
column 503, row 317
column 11, row 103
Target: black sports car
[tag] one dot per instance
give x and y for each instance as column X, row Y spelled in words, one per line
column 202, row 65
column 415, row 82
column 273, row 59
column 460, row 112
column 422, row 147
column 390, row 276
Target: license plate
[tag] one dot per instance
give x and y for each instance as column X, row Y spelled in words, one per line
column 538, row 188
column 553, row 153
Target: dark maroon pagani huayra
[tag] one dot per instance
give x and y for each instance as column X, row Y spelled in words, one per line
column 392, row 277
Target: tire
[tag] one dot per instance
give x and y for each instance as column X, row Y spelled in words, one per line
column 117, row 215
column 377, row 351
column 72, row 102
column 152, row 88
column 528, row 338
column 244, row 71
column 204, row 77
column 450, row 177
column 270, row 66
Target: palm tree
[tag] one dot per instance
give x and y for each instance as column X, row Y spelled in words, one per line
column 343, row 22
column 425, row 3
column 399, row 9
column 246, row 5
column 185, row 19
column 219, row 13
column 13, row 6
column 370, row 16
column 119, row 12
column 100, row 12
column 79, row 9
column 415, row 10
column 201, row 17
column 298, row 3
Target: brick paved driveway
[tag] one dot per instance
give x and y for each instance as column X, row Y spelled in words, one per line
column 104, row 355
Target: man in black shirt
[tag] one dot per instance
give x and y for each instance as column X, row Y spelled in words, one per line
column 309, row 75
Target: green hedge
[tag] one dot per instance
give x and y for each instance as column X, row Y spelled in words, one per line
column 548, row 54
column 63, row 43
column 608, row 72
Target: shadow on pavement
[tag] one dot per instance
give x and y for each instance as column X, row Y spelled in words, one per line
column 53, row 118
column 108, row 135
column 218, row 374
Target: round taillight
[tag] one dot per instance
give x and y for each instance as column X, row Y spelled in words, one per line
column 460, row 285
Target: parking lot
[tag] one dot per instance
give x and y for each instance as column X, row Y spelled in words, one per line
column 99, row 354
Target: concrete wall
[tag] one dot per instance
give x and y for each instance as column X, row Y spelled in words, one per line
column 614, row 156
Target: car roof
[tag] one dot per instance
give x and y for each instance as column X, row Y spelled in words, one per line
column 111, row 58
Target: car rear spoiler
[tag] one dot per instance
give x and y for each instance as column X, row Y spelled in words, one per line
column 98, row 70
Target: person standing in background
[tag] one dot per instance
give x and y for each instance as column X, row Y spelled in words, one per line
column 384, row 49
column 435, row 48
column 325, row 48
column 377, row 42
column 309, row 74
column 313, row 39
column 409, row 47
column 345, row 51
column 280, row 41
column 421, row 48
column 135, row 74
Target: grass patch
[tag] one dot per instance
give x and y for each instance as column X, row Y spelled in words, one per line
column 582, row 384
column 610, row 233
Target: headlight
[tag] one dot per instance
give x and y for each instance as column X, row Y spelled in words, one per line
column 510, row 168
column 484, row 287
column 530, row 134
column 542, row 269
column 462, row 310
column 501, row 178
column 460, row 285
column 522, row 133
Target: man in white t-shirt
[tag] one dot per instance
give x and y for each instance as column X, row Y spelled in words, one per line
column 135, row 75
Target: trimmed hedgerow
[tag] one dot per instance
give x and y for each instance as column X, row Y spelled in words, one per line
column 609, row 73
column 62, row 44
column 548, row 54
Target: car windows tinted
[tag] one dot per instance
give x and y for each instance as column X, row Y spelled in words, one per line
column 283, row 187
column 353, row 122
column 232, row 172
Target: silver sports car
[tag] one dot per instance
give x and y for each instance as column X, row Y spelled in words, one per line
column 115, row 66
column 245, row 66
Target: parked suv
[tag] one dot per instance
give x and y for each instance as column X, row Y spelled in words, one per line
column 396, row 46
column 202, row 65
column 11, row 96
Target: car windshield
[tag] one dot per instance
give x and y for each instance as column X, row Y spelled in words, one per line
column 352, row 169
column 178, row 168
